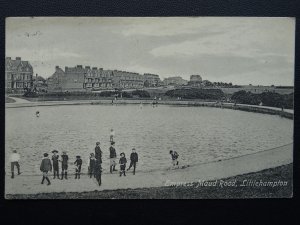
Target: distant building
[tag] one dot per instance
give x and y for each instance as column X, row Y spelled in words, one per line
column 195, row 81
column 151, row 80
column 175, row 81
column 127, row 80
column 81, row 79
column 98, row 78
column 18, row 75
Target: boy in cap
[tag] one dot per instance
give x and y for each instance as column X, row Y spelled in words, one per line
column 64, row 165
column 55, row 164
column 91, row 165
column 113, row 157
column 133, row 160
column 122, row 163
column 45, row 167
column 78, row 164
column 14, row 161
column 98, row 153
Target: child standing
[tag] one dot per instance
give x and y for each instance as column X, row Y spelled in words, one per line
column 55, row 164
column 133, row 160
column 78, row 164
column 64, row 165
column 122, row 163
column 45, row 167
column 91, row 166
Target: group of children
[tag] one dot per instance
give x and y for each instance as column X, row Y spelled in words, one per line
column 94, row 163
column 47, row 166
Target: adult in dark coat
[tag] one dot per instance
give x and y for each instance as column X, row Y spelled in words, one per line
column 112, row 157
column 98, row 172
column 55, row 164
column 45, row 167
column 64, row 165
column 133, row 160
column 98, row 153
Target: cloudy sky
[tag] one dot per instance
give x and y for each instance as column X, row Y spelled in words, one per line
column 229, row 49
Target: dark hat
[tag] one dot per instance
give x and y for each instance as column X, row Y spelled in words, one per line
column 45, row 154
column 97, row 143
column 122, row 154
column 113, row 142
column 133, row 148
column 54, row 151
column 14, row 151
column 171, row 151
column 77, row 156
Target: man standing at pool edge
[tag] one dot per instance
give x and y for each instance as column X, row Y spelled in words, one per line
column 14, row 161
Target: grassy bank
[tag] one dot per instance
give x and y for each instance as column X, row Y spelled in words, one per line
column 192, row 191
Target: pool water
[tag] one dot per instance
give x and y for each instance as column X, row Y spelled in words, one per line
column 198, row 134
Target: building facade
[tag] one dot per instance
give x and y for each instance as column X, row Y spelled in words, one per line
column 127, row 80
column 81, row 78
column 151, row 80
column 18, row 75
column 175, row 81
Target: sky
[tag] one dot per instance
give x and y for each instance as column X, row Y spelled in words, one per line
column 241, row 50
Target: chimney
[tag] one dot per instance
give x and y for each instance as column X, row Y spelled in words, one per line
column 87, row 67
column 94, row 68
column 8, row 58
column 100, row 68
column 79, row 66
column 18, row 58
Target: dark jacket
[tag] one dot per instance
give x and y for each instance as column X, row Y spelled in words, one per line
column 65, row 159
column 134, row 157
column 123, row 160
column 112, row 152
column 78, row 162
column 46, row 165
column 55, row 160
column 92, row 162
column 174, row 155
column 98, row 154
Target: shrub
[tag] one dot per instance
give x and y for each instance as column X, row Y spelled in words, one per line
column 215, row 94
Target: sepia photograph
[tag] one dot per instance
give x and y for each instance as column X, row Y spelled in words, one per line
column 149, row 107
